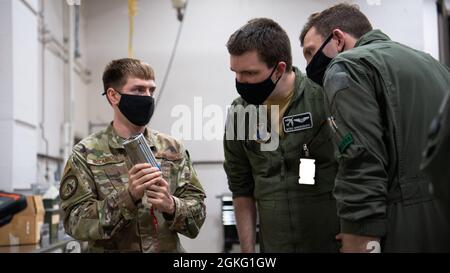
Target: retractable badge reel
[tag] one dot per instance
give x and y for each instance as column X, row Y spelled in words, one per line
column 306, row 169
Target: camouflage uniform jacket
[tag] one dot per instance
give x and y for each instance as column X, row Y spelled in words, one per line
column 99, row 209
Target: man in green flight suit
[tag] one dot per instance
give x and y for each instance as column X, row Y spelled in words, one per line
column 273, row 173
column 118, row 207
column 382, row 96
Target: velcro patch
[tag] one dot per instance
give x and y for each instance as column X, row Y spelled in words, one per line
column 345, row 142
column 68, row 187
column 297, row 123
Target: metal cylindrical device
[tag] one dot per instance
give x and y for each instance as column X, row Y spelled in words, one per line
column 139, row 152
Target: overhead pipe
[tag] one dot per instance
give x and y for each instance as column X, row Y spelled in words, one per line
column 26, row 4
column 68, row 130
column 41, row 30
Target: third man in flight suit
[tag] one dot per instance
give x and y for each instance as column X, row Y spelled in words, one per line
column 382, row 96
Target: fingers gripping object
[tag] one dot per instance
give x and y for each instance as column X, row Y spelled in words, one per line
column 139, row 152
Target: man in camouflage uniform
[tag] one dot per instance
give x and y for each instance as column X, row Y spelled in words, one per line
column 118, row 207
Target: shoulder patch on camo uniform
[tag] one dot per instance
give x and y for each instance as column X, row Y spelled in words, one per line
column 68, row 187
column 298, row 122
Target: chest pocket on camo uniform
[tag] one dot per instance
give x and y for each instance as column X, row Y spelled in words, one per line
column 110, row 174
column 171, row 164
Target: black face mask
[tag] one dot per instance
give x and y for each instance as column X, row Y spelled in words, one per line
column 319, row 63
column 257, row 93
column 137, row 109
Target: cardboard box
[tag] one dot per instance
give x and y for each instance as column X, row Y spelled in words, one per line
column 25, row 227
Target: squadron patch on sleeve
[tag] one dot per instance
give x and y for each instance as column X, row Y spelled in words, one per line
column 346, row 141
column 68, row 187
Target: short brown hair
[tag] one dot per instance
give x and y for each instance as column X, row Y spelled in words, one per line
column 117, row 72
column 345, row 17
column 265, row 36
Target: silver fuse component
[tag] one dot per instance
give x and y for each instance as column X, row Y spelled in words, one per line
column 139, row 152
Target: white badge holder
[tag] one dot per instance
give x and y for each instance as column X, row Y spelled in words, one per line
column 307, row 171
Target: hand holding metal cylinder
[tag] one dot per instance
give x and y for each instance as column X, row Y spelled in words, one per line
column 148, row 179
column 139, row 152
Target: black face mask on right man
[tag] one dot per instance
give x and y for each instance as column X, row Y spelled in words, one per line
column 319, row 63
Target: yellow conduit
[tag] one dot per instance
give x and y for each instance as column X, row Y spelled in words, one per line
column 132, row 10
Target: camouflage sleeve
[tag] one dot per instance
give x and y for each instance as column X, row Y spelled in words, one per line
column 190, row 210
column 87, row 218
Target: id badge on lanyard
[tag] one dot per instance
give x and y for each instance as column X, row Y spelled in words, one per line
column 306, row 169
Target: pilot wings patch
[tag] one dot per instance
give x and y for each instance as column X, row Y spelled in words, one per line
column 298, row 122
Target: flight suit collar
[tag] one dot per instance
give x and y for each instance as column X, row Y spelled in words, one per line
column 372, row 36
column 116, row 142
column 297, row 84
column 298, row 91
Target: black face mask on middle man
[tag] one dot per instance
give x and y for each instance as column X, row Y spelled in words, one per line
column 319, row 63
column 257, row 93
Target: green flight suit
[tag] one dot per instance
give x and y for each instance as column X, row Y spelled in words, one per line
column 437, row 155
column 292, row 217
column 383, row 96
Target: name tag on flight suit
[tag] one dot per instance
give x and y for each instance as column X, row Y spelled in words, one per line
column 297, row 123
column 306, row 171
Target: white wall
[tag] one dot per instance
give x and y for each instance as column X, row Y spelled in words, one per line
column 430, row 23
column 25, row 89
column 23, row 108
column 52, row 112
column 6, row 95
column 19, row 77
